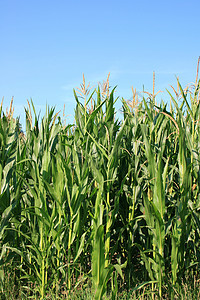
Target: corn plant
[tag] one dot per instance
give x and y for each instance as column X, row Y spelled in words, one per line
column 103, row 203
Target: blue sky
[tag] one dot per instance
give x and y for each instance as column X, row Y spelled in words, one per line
column 46, row 46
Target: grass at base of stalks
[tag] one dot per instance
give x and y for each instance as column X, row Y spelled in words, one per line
column 189, row 289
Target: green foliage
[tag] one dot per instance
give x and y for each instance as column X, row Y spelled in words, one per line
column 101, row 205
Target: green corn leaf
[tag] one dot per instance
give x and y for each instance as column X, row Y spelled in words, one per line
column 81, row 247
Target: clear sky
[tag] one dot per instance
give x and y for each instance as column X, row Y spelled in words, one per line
column 46, row 46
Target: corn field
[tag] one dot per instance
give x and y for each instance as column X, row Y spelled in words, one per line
column 102, row 203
